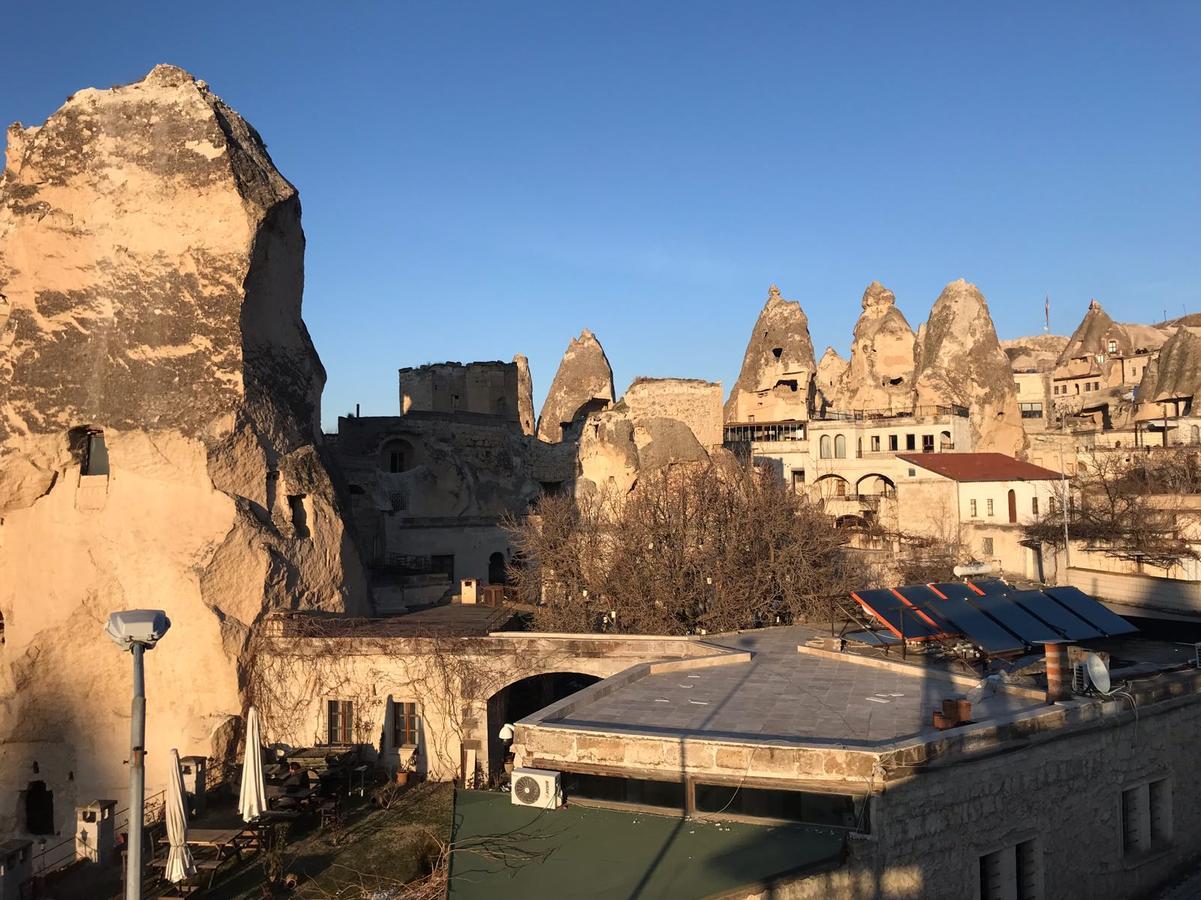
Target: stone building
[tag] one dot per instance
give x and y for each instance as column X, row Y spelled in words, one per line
column 778, row 726
column 159, row 434
column 482, row 388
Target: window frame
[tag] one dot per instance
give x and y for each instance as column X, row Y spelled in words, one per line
column 343, row 721
column 406, row 722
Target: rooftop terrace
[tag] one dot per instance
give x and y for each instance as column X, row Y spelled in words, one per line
column 785, row 693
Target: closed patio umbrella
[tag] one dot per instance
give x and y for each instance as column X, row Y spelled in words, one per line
column 179, row 858
column 253, row 798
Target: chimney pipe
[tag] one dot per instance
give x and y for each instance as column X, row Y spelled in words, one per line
column 1059, row 676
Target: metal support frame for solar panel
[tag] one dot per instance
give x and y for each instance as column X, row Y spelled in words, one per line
column 948, row 641
column 853, row 614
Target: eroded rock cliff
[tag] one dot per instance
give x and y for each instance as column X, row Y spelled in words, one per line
column 960, row 361
column 525, row 394
column 159, row 427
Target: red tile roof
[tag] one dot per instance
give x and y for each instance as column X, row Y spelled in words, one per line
column 978, row 466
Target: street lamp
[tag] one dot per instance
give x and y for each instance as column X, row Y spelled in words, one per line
column 137, row 630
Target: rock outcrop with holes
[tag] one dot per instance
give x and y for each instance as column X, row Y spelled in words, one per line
column 775, row 383
column 583, row 384
column 525, row 395
column 831, row 372
column 960, row 362
column 159, row 434
column 879, row 375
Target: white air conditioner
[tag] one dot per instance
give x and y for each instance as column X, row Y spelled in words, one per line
column 539, row 788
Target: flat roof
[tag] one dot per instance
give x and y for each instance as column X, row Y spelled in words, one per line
column 979, row 466
column 782, row 695
column 579, row 851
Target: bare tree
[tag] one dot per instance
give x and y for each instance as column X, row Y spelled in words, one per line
column 694, row 548
column 1128, row 505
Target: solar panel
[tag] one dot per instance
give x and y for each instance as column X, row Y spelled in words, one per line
column 1090, row 610
column 1029, row 628
column 896, row 615
column 924, row 601
column 994, row 587
column 975, row 625
column 1058, row 617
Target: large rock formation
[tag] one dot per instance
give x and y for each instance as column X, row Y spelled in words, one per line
column 777, row 369
column 583, row 384
column 960, row 361
column 525, row 395
column 159, row 429
column 1174, row 376
column 879, row 375
column 831, row 373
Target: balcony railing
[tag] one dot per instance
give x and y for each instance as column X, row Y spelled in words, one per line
column 916, row 412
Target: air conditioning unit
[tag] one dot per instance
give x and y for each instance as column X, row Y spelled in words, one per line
column 539, row 788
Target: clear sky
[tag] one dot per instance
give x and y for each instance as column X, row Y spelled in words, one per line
column 485, row 179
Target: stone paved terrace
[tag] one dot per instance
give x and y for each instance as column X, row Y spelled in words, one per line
column 781, row 695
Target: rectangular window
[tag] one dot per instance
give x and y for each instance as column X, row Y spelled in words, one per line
column 1034, row 505
column 910, row 442
column 95, row 455
column 892, row 442
column 927, row 443
column 832, row 810
column 339, row 721
column 875, row 443
column 1012, row 873
column 405, row 724
column 1146, row 818
column 989, row 507
column 986, row 546
column 972, row 508
column 798, row 478
column 616, row 789
column 1031, row 410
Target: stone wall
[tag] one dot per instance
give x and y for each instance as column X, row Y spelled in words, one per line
column 695, row 403
column 483, row 388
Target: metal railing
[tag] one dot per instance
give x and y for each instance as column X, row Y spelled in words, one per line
column 859, row 415
column 51, row 858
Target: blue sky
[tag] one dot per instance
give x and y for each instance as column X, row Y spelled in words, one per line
column 485, row 179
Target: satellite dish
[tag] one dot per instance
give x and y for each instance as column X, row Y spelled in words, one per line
column 1098, row 673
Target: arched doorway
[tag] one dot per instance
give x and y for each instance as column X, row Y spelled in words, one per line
column 522, row 698
column 831, row 486
column 497, row 569
column 1013, row 507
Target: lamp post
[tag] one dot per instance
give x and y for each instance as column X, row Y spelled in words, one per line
column 137, row 630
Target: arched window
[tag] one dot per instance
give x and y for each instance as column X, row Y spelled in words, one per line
column 397, row 456
column 824, row 444
column 496, row 569
column 1013, row 507
column 840, row 446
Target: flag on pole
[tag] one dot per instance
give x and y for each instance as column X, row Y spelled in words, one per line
column 1047, row 313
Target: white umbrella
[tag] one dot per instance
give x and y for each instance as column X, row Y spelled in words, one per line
column 179, row 859
column 253, row 799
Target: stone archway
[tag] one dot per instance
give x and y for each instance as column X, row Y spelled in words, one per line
column 524, row 697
